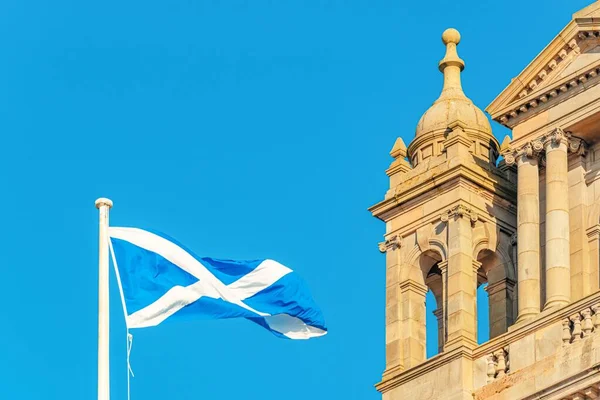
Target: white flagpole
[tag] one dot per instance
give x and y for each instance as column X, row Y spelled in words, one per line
column 103, row 205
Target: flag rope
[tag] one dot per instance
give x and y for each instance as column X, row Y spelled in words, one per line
column 129, row 336
column 129, row 370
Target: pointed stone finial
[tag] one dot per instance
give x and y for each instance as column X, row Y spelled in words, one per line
column 451, row 65
column 451, row 38
column 399, row 149
column 505, row 144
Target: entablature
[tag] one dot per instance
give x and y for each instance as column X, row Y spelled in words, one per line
column 485, row 182
column 569, row 65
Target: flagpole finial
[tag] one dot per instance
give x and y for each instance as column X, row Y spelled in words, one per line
column 104, row 202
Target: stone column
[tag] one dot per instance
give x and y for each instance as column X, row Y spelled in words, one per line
column 558, row 263
column 593, row 235
column 393, row 323
column 528, row 232
column 461, row 281
column 413, row 322
column 435, row 283
column 581, row 273
column 439, row 315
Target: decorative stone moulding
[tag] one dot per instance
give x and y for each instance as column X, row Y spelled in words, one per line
column 581, row 324
column 394, row 243
column 560, row 60
column 535, row 148
column 459, row 211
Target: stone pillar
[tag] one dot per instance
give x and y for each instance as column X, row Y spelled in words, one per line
column 593, row 235
column 413, row 322
column 528, row 233
column 558, row 263
column 461, row 280
column 501, row 297
column 439, row 315
column 393, row 323
column 581, row 273
column 435, row 283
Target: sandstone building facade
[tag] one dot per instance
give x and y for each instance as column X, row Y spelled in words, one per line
column 527, row 225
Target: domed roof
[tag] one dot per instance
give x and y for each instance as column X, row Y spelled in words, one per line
column 452, row 105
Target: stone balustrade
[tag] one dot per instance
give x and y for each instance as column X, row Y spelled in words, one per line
column 581, row 324
column 498, row 364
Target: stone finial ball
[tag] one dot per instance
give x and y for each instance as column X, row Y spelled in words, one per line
column 451, row 36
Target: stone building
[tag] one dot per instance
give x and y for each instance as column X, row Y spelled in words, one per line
column 528, row 226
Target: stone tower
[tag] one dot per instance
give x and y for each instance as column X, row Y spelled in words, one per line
column 528, row 226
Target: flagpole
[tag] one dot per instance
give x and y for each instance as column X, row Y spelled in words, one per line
column 103, row 205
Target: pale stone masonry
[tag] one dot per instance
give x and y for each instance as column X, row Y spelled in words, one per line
column 528, row 226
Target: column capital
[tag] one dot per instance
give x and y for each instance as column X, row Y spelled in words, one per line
column 534, row 149
column 558, row 136
column 528, row 151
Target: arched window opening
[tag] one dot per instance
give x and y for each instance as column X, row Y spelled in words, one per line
column 495, row 295
column 483, row 312
column 432, row 325
column 434, row 308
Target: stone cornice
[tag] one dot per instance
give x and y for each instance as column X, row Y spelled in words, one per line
column 448, row 171
column 395, row 377
column 548, row 96
column 533, row 87
column 434, row 217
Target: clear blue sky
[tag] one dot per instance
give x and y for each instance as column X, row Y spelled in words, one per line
column 245, row 129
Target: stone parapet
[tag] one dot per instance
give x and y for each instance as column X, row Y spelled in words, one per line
column 556, row 353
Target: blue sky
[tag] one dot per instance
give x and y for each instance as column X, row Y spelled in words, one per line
column 245, row 129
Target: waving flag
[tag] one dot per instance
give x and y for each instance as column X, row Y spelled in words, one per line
column 160, row 280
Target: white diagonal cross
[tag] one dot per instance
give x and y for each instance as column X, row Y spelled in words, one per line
column 208, row 285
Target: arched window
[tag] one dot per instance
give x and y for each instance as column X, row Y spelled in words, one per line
column 434, row 307
column 483, row 314
column 495, row 295
column 432, row 325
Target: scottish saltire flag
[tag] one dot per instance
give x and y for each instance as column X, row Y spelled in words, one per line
column 160, row 280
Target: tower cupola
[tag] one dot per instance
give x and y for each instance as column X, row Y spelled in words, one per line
column 451, row 108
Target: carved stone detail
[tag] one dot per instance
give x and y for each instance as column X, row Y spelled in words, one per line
column 497, row 364
column 566, row 329
column 459, row 211
column 393, row 243
column 513, row 239
column 581, row 325
column 491, row 369
column 576, row 333
column 535, row 148
column 528, row 150
column 568, row 52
